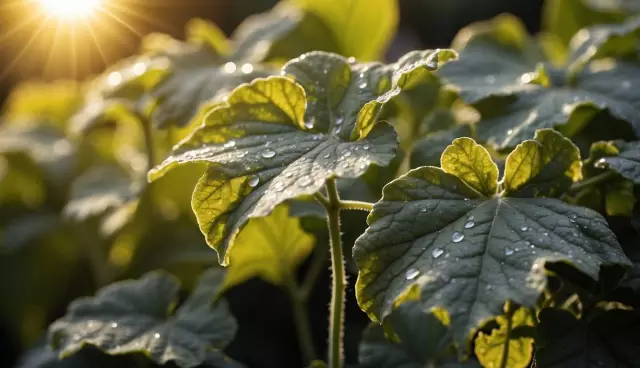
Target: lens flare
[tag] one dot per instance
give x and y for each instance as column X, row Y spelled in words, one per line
column 70, row 9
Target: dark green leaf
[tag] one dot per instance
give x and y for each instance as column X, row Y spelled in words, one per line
column 610, row 339
column 276, row 139
column 626, row 162
column 469, row 253
column 138, row 316
column 494, row 65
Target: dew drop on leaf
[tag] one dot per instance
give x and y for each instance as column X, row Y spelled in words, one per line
column 156, row 336
column 366, row 147
column 423, row 209
column 230, row 67
column 510, row 131
column 347, row 153
column 230, row 144
column 490, row 79
column 363, row 84
column 457, row 237
column 268, row 153
column 114, row 79
column 247, row 68
column 288, row 174
column 469, row 225
column 304, row 181
column 339, row 120
column 508, row 251
column 437, row 252
column 471, row 218
column 310, row 124
column 412, row 273
column 279, row 186
column 524, row 228
column 253, row 181
column 114, row 325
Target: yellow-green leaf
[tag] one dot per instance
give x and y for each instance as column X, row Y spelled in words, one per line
column 269, row 247
column 472, row 163
column 490, row 348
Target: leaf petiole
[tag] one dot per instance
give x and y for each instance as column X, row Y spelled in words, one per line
column 600, row 178
column 505, row 351
column 356, row 205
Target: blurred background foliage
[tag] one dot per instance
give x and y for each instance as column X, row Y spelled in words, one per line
column 132, row 227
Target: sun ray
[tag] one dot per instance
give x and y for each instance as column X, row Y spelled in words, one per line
column 162, row 26
column 98, row 47
column 13, row 62
column 117, row 19
column 56, row 35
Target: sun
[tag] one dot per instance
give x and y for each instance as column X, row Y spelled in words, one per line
column 70, row 9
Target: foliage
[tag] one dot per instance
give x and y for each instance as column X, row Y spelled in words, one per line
column 505, row 172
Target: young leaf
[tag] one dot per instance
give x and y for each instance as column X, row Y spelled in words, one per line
column 200, row 73
column 610, row 339
column 271, row 247
column 352, row 21
column 469, row 252
column 498, row 61
column 489, row 348
column 626, row 162
column 428, row 150
column 276, row 139
column 137, row 316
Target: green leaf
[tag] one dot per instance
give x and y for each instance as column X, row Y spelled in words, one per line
column 137, row 316
column 626, row 162
column 422, row 340
column 469, row 253
column 615, row 40
column 276, row 139
column 352, row 21
column 200, row 74
column 471, row 163
column 609, row 339
column 427, row 151
column 99, row 190
column 270, row 247
column 489, row 348
column 21, row 180
column 24, row 230
column 534, row 94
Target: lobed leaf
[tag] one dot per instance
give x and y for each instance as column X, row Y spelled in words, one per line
column 489, row 348
column 137, row 316
column 498, row 64
column 276, row 139
column 469, row 252
column 626, row 162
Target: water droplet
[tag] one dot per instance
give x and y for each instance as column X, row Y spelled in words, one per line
column 347, row 153
column 114, row 325
column 490, row 79
column 230, row 144
column 469, row 225
column 508, row 251
column 268, row 153
column 310, row 124
column 246, row 68
column 626, row 85
column 457, row 237
column 531, row 245
column 488, row 287
column 288, row 174
column 366, row 147
column 510, row 131
column 533, row 252
column 437, row 252
column 279, row 186
column 363, row 84
column 304, row 181
column 157, row 335
column 527, row 77
column 573, row 217
column 114, row 78
column 524, row 228
column 412, row 273
column 139, row 68
column 471, row 218
column 253, row 181
column 327, row 155
column 230, row 67
column 339, row 120
column 545, row 234
column 423, row 209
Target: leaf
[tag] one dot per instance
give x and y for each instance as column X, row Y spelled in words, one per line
column 609, row 339
column 469, row 253
column 626, row 162
column 45, row 145
column 270, row 247
column 99, row 190
column 427, row 151
column 472, row 164
column 276, row 139
column 489, row 348
column 21, row 180
column 352, row 21
column 24, row 230
column 200, row 74
column 424, row 341
column 614, row 40
column 137, row 316
column 613, row 195
column 45, row 357
column 535, row 94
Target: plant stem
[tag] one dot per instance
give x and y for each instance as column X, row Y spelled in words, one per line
column 356, row 205
column 336, row 314
column 301, row 319
column 148, row 141
column 315, row 270
column 592, row 181
column 505, row 349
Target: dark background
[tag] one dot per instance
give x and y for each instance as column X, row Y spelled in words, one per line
column 266, row 337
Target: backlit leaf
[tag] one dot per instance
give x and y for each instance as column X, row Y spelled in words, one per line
column 489, row 348
column 276, row 139
column 501, row 63
column 138, row 316
column 270, row 247
column 469, row 253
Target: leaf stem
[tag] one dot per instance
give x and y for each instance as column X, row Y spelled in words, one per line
column 148, row 141
column 505, row 350
column 301, row 319
column 336, row 314
column 592, row 181
column 356, row 205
